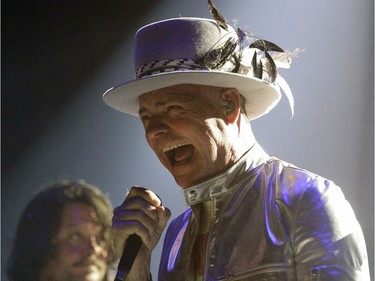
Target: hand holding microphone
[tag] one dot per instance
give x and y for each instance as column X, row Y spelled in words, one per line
column 137, row 225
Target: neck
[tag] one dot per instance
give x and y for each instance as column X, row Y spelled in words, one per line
column 242, row 137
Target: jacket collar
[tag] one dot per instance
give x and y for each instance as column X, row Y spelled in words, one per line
column 227, row 180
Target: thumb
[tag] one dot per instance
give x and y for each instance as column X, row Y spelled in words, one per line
column 164, row 215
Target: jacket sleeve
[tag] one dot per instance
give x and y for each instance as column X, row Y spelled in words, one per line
column 327, row 239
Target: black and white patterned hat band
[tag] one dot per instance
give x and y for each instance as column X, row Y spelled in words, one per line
column 161, row 66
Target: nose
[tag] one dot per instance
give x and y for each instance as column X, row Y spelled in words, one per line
column 95, row 247
column 156, row 127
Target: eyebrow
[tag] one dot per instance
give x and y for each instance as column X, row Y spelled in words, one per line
column 141, row 110
column 171, row 98
column 157, row 104
column 73, row 225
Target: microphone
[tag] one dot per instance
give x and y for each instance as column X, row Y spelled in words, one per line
column 131, row 248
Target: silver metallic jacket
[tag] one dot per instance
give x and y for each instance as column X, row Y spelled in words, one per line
column 271, row 221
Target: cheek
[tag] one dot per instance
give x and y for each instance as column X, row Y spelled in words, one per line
column 211, row 132
column 70, row 254
column 151, row 143
column 211, row 140
column 62, row 260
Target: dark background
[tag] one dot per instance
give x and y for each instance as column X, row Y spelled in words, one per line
column 49, row 48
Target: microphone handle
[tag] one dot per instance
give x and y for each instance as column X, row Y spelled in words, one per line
column 131, row 248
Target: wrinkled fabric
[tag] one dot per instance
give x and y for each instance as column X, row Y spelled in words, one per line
column 271, row 221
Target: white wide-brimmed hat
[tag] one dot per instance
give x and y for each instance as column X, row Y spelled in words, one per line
column 195, row 51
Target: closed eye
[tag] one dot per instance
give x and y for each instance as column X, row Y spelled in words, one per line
column 144, row 118
column 173, row 108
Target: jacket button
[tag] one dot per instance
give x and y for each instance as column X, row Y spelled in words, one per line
column 193, row 194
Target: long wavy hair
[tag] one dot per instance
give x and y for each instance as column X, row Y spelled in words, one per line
column 40, row 222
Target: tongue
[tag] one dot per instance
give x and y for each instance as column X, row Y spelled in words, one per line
column 183, row 153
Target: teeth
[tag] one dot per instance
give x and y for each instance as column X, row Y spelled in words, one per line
column 168, row 148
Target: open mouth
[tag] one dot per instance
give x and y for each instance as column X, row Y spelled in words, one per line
column 178, row 154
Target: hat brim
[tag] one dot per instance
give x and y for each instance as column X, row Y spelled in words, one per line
column 260, row 96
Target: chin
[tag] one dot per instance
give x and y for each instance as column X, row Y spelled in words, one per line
column 183, row 182
column 94, row 276
column 186, row 181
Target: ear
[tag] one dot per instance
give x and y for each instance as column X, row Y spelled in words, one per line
column 230, row 102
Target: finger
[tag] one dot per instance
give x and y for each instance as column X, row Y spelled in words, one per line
column 164, row 214
column 122, row 230
column 146, row 194
column 135, row 202
column 144, row 218
column 136, row 208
